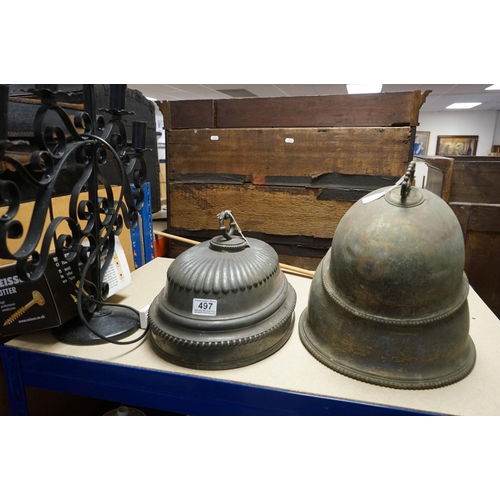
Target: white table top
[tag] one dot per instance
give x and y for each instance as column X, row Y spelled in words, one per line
column 292, row 368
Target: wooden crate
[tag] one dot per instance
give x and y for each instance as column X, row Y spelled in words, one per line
column 289, row 168
column 481, row 227
column 475, row 199
column 476, row 179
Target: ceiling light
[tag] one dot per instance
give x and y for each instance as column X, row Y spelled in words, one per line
column 237, row 92
column 151, row 98
column 495, row 86
column 364, row 88
column 463, row 105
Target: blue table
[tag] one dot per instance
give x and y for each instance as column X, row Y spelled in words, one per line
column 290, row 382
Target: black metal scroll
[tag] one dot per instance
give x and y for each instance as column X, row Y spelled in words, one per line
column 85, row 237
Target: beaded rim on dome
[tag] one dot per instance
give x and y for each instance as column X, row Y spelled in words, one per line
column 231, row 343
column 405, row 384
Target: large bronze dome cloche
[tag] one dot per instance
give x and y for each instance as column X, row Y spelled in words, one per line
column 226, row 304
column 388, row 303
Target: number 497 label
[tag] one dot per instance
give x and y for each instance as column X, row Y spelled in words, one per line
column 204, row 307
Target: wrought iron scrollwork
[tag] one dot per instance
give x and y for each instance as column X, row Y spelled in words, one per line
column 91, row 146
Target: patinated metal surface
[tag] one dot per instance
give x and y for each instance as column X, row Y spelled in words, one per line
column 226, row 304
column 388, row 303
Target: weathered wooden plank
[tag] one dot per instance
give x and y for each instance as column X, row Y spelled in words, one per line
column 476, row 180
column 462, row 210
column 302, row 261
column 307, row 246
column 362, row 110
column 334, row 186
column 280, row 211
column 188, row 114
column 299, row 251
column 477, row 216
column 291, row 152
column 484, row 218
column 481, row 226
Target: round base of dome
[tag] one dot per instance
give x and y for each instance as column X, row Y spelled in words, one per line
column 395, row 380
column 225, row 348
column 401, row 354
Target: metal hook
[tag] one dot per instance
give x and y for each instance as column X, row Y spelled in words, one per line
column 228, row 234
column 223, row 216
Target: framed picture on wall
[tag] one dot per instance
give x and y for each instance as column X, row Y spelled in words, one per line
column 456, row 145
column 421, row 144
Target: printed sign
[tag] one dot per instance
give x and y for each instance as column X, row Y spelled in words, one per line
column 204, row 307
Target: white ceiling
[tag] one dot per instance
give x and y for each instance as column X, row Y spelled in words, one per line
column 441, row 96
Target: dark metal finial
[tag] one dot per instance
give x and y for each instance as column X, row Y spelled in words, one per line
column 408, row 180
column 228, row 233
column 139, row 135
column 223, row 216
column 117, row 96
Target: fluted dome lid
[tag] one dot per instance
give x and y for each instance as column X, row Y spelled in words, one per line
column 226, row 303
column 224, row 266
column 241, row 281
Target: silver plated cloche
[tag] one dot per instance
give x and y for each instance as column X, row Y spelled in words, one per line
column 226, row 303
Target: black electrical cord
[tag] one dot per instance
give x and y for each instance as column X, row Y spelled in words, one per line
column 107, row 304
column 79, row 301
column 81, row 314
column 80, row 289
column 93, row 256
